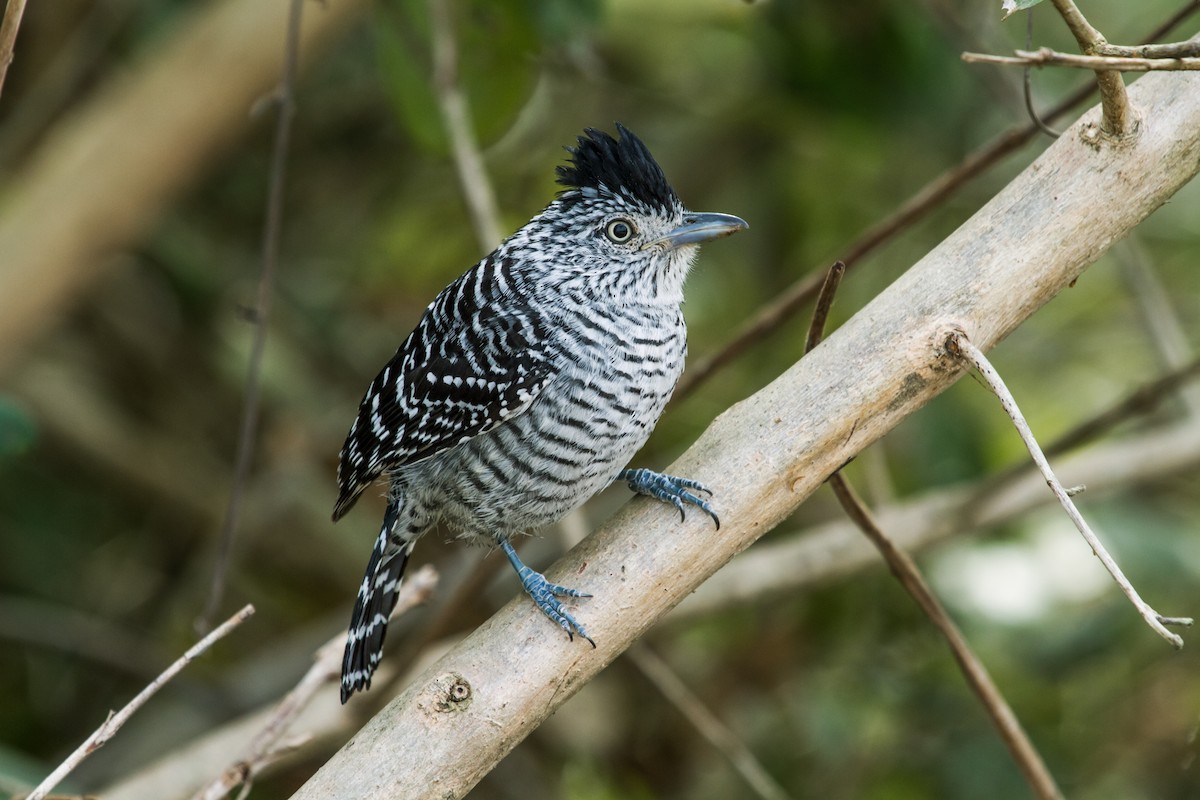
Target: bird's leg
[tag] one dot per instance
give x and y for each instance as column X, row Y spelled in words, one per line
column 545, row 594
column 669, row 489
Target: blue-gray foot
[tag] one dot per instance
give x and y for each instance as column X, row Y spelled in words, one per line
column 545, row 594
column 669, row 489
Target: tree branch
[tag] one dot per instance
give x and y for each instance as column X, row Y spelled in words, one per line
column 772, row 315
column 906, row 571
column 13, row 11
column 326, row 669
column 114, row 722
column 770, row 452
column 784, row 566
column 964, row 348
column 1044, row 56
column 1113, row 98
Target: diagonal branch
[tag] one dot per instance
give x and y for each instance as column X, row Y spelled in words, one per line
column 1044, row 56
column 109, row 728
column 906, row 571
column 771, row 316
column 770, row 452
column 1113, row 98
column 13, row 11
column 965, row 349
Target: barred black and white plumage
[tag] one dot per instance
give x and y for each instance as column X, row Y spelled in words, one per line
column 531, row 380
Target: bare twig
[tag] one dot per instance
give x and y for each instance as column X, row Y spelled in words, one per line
column 1113, row 99
column 774, row 314
column 1045, row 56
column 285, row 103
column 958, row 344
column 786, row 565
column 457, row 118
column 114, row 722
column 703, row 720
column 816, row 328
column 267, row 746
column 1028, row 83
column 1188, row 49
column 13, row 10
column 828, row 551
column 906, row 571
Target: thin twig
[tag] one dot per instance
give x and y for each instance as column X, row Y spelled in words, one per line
column 1114, row 102
column 816, row 328
column 285, row 102
column 1045, row 56
column 13, row 10
column 456, row 116
column 266, row 747
column 958, row 344
column 1028, row 82
column 703, row 720
column 1187, row 49
column 906, row 571
column 114, row 722
column 793, row 298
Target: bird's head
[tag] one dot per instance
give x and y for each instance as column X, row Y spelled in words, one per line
column 618, row 228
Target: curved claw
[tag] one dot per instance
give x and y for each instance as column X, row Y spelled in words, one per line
column 545, row 595
column 670, row 489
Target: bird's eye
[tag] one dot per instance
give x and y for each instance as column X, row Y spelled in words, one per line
column 619, row 231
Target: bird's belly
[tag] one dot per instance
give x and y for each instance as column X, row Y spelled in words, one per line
column 568, row 445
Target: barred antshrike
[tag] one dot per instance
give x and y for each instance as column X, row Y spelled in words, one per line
column 531, row 380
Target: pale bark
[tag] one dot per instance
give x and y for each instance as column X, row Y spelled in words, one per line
column 765, row 455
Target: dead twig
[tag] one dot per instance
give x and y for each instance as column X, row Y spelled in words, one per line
column 284, row 98
column 1045, row 56
column 959, row 345
column 1029, row 761
column 114, row 722
column 775, row 313
column 906, row 571
column 816, row 328
column 267, row 746
column 1027, row 83
column 13, row 10
column 1186, row 49
column 1114, row 101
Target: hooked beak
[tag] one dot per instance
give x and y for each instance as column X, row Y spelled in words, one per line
column 698, row 228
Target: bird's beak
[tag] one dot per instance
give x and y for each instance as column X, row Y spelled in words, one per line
column 698, row 228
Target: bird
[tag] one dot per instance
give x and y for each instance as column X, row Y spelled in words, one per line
column 530, row 382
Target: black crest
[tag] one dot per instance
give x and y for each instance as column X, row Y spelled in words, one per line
column 622, row 166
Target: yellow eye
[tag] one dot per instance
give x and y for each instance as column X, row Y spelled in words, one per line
column 619, row 231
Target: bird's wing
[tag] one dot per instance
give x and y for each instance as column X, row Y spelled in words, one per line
column 449, row 382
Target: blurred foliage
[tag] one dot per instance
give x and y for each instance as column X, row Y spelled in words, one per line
column 810, row 120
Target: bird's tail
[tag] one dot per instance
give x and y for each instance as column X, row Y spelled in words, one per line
column 376, row 599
